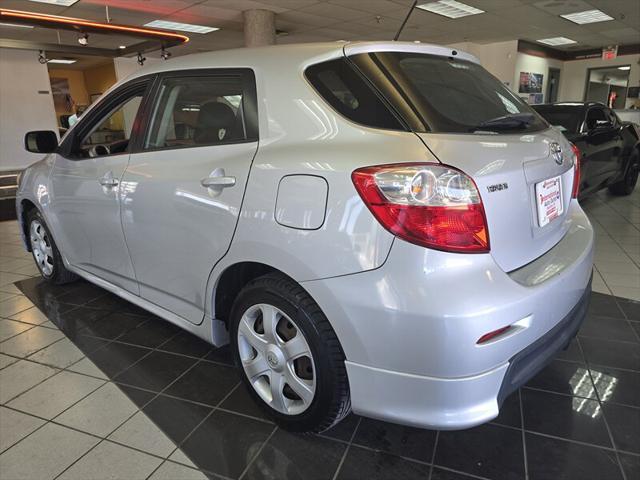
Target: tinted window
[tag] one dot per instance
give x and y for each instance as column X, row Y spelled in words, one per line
column 595, row 117
column 567, row 118
column 350, row 94
column 195, row 111
column 450, row 94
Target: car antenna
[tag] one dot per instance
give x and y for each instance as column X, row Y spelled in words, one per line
column 413, row 5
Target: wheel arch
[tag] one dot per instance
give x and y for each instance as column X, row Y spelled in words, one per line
column 26, row 207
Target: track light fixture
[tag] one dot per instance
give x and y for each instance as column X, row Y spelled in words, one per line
column 83, row 39
column 141, row 59
column 164, row 54
column 42, row 57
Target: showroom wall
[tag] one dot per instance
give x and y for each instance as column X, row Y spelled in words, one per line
column 26, row 104
column 499, row 58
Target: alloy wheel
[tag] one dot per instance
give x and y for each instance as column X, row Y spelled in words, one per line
column 277, row 359
column 41, row 247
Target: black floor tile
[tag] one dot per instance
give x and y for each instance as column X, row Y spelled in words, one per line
column 572, row 353
column 564, row 377
column 220, row 355
column 206, row 383
column 294, row 457
column 111, row 326
column 606, row 305
column 617, row 386
column 344, row 430
column 630, row 308
column 608, row 328
column 624, row 423
column 562, row 416
column 151, row 333
column 489, row 451
column 442, row 474
column 137, row 396
column 611, row 354
column 408, row 442
column 225, row 443
column 366, row 464
column 109, row 301
column 82, row 294
column 510, row 412
column 116, row 357
column 88, row 345
column 630, row 465
column 241, row 402
column 76, row 319
column 155, row 371
column 176, row 418
column 186, row 343
column 553, row 459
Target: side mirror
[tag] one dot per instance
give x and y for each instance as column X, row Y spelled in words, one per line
column 41, row 141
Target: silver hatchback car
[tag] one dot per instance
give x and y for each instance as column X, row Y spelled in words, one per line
column 376, row 227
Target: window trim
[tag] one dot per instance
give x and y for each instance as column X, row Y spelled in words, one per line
column 104, row 106
column 249, row 105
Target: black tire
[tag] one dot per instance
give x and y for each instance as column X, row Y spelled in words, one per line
column 628, row 183
column 58, row 275
column 331, row 402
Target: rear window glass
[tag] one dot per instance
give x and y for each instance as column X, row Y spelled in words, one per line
column 567, row 119
column 350, row 94
column 450, row 94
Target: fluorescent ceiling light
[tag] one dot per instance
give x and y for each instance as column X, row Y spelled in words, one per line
column 588, row 16
column 66, row 61
column 16, row 25
column 183, row 27
column 628, row 67
column 557, row 41
column 450, row 8
column 62, row 3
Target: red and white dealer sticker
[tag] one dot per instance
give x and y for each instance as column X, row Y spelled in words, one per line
column 549, row 200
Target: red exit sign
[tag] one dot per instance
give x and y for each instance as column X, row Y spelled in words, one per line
column 609, row 53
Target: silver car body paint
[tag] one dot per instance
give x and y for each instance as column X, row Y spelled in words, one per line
column 407, row 317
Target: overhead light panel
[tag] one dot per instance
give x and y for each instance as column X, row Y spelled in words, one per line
column 62, row 3
column 450, row 8
column 182, row 27
column 557, row 41
column 588, row 16
column 627, row 67
column 16, row 25
column 66, row 61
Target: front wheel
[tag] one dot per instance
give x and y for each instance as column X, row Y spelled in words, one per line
column 291, row 359
column 46, row 253
column 628, row 183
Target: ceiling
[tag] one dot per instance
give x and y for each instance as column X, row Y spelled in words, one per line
column 323, row 20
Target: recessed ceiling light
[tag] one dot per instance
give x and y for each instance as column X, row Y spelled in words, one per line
column 183, row 27
column 16, row 25
column 122, row 46
column 628, row 67
column 62, row 3
column 66, row 61
column 588, row 16
column 450, row 8
column 557, row 41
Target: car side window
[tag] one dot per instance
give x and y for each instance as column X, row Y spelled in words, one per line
column 110, row 133
column 595, row 117
column 195, row 111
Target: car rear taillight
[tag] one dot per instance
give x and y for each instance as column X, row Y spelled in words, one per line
column 431, row 205
column 576, row 171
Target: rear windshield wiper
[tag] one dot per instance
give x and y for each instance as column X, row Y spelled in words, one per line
column 506, row 122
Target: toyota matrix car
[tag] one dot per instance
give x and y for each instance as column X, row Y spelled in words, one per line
column 381, row 228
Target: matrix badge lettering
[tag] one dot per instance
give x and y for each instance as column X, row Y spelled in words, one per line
column 497, row 187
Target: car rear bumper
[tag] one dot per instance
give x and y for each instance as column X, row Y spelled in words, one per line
column 410, row 328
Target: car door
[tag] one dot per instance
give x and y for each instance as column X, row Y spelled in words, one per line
column 85, row 186
column 183, row 190
column 600, row 138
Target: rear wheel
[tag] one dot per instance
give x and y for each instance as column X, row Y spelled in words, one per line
column 45, row 253
column 628, row 183
column 291, row 359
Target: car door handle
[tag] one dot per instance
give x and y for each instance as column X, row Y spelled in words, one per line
column 108, row 181
column 218, row 182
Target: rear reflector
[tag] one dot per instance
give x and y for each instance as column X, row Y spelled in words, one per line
column 488, row 336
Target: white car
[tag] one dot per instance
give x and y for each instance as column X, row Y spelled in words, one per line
column 376, row 227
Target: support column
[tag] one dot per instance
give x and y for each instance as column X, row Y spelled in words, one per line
column 259, row 28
